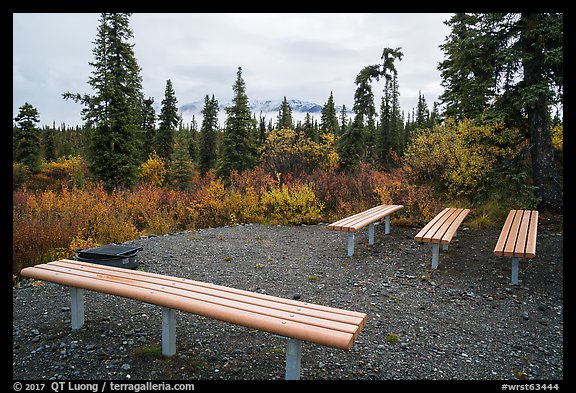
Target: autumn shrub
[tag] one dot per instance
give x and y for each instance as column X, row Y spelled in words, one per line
column 288, row 151
column 459, row 157
column 257, row 180
column 21, row 175
column 397, row 187
column 293, row 204
column 67, row 171
column 39, row 227
column 153, row 170
column 342, row 194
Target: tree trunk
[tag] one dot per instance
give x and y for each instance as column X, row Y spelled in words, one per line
column 544, row 169
column 536, row 98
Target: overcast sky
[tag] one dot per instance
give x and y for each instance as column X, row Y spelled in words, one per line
column 298, row 55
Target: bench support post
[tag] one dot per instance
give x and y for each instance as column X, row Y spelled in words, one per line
column 387, row 225
column 168, row 331
column 293, row 359
column 350, row 244
column 77, row 307
column 435, row 255
column 371, row 234
column 444, row 247
column 515, row 268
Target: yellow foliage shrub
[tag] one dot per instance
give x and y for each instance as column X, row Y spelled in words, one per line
column 153, row 170
column 292, row 205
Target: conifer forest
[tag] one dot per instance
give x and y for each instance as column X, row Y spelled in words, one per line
column 493, row 142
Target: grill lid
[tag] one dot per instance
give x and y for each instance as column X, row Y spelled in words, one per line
column 109, row 250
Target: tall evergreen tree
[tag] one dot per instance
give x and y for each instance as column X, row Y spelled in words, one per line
column 308, row 128
column 422, row 113
column 169, row 120
column 512, row 64
column 148, row 127
column 328, row 117
column 351, row 145
column 343, row 120
column 194, row 141
column 26, row 137
column 239, row 150
column 181, row 166
column 208, row 156
column 114, row 112
column 285, row 115
column 261, row 130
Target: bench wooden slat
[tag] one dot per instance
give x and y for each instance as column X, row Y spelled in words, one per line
column 299, row 326
column 532, row 235
column 510, row 247
column 520, row 248
column 269, row 306
column 441, row 229
column 344, row 224
column 504, row 233
column 420, row 235
column 435, row 233
column 360, row 220
column 518, row 236
column 451, row 230
column 279, row 302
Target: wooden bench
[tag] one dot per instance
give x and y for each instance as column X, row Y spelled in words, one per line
column 518, row 238
column 366, row 218
column 441, row 229
column 296, row 320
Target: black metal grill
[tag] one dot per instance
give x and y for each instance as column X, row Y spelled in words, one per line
column 110, row 255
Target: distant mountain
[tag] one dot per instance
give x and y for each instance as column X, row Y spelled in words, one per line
column 268, row 108
column 256, row 106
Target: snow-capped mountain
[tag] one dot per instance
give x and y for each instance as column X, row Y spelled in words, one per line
column 269, row 109
column 257, row 106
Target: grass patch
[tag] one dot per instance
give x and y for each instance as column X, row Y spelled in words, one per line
column 392, row 338
column 149, row 352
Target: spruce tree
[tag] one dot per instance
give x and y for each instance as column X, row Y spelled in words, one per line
column 285, row 115
column 239, row 150
column 308, row 128
column 208, row 156
column 194, row 141
column 181, row 167
column 114, row 112
column 509, row 67
column 26, row 138
column 148, row 127
column 352, row 143
column 328, row 117
column 343, row 120
column 169, row 120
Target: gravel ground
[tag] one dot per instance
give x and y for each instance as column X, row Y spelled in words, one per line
column 462, row 321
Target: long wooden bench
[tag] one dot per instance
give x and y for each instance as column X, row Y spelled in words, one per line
column 518, row 238
column 366, row 218
column 298, row 321
column 441, row 229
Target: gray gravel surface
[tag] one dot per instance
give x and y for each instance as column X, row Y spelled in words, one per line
column 462, row 321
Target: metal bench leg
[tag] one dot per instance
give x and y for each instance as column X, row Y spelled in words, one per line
column 515, row 268
column 444, row 247
column 168, row 331
column 387, row 225
column 435, row 254
column 371, row 234
column 350, row 244
column 293, row 359
column 77, row 307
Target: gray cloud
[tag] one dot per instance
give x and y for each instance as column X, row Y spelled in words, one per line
column 303, row 56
